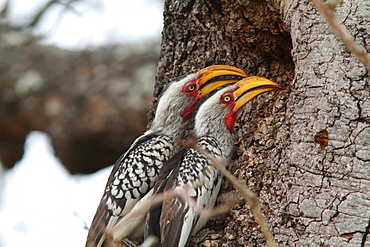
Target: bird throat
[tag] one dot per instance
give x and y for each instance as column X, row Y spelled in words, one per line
column 188, row 111
column 230, row 120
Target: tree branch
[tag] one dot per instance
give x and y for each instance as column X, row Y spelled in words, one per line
column 4, row 10
column 128, row 223
column 246, row 193
column 131, row 220
column 327, row 11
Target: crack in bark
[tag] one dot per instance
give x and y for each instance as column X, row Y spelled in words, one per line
column 364, row 237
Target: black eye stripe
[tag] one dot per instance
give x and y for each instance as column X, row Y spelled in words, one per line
column 222, row 78
column 259, row 87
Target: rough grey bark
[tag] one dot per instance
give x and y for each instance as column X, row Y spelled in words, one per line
column 327, row 191
column 201, row 33
column 305, row 151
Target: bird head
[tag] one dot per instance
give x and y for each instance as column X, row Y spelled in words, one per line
column 179, row 98
column 246, row 90
column 218, row 113
column 206, row 81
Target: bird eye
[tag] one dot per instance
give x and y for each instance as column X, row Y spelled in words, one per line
column 191, row 87
column 226, row 98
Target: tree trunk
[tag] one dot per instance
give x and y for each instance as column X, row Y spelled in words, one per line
column 305, row 150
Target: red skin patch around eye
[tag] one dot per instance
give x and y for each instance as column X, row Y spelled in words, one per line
column 188, row 111
column 230, row 97
column 230, row 117
column 185, row 89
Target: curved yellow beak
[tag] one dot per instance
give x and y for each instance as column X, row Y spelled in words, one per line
column 250, row 87
column 216, row 76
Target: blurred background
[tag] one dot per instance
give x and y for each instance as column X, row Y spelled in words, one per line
column 76, row 83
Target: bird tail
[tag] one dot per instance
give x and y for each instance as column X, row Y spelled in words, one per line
column 96, row 236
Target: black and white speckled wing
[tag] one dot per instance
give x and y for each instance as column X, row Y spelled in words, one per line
column 174, row 221
column 133, row 175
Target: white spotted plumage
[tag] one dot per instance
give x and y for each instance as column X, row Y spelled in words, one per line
column 135, row 172
column 174, row 221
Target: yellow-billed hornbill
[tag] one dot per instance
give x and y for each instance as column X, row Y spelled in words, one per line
column 175, row 221
column 136, row 171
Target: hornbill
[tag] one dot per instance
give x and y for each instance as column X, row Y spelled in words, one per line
column 188, row 172
column 135, row 172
